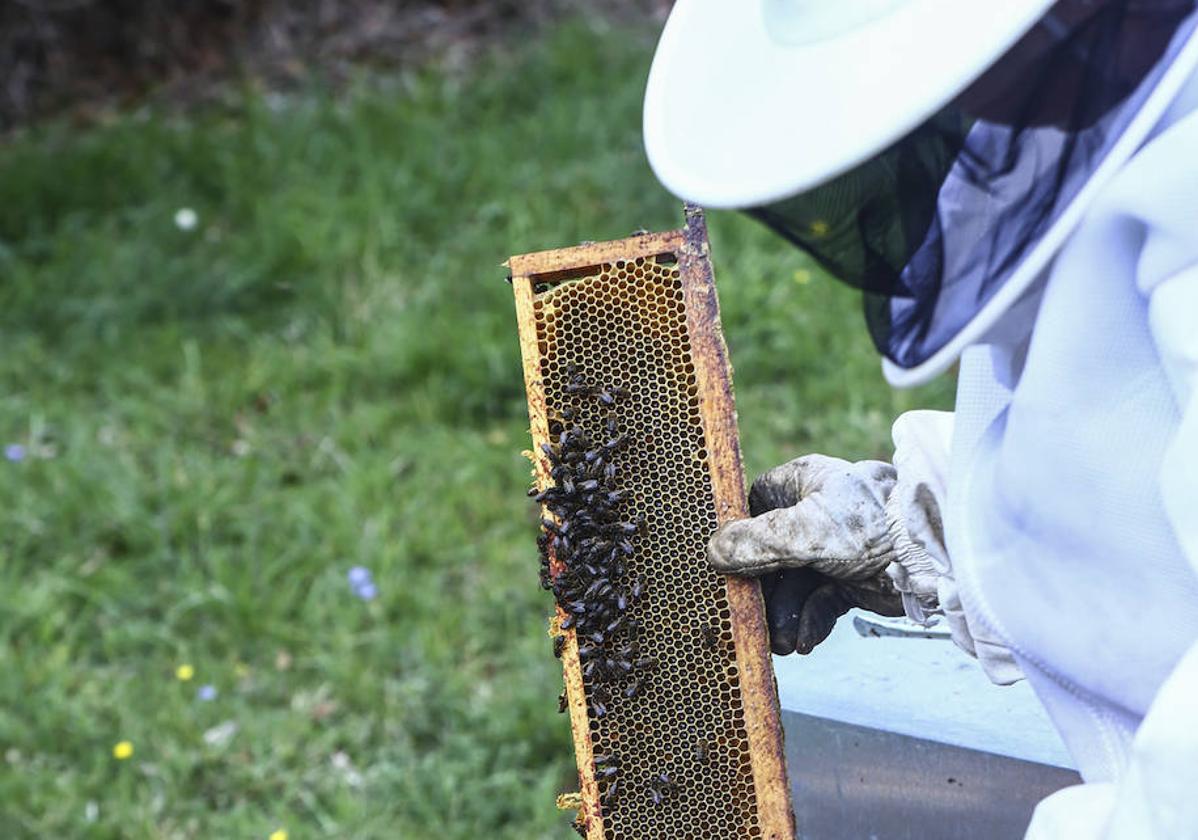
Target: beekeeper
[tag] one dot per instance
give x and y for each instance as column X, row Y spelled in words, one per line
column 1014, row 187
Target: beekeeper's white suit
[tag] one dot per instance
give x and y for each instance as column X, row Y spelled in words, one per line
column 1072, row 498
column 1053, row 517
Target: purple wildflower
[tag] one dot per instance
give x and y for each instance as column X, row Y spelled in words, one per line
column 206, row 693
column 14, row 452
column 367, row 591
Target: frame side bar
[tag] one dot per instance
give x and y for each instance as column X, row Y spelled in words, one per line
column 717, row 408
column 571, row 664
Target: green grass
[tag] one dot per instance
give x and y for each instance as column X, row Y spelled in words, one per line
column 325, row 373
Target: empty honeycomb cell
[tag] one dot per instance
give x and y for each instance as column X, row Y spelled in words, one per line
column 623, row 323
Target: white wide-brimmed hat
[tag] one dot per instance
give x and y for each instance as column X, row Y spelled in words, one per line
column 750, row 101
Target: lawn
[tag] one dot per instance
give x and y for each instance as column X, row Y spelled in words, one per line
column 206, row 428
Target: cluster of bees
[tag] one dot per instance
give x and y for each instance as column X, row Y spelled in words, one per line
column 591, row 542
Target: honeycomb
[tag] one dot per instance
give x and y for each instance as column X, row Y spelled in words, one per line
column 624, row 324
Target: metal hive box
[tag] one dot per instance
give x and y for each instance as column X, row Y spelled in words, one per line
column 639, row 316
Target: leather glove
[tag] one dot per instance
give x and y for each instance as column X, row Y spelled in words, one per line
column 819, row 539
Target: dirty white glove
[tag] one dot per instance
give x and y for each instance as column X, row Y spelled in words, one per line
column 819, row 536
column 829, row 535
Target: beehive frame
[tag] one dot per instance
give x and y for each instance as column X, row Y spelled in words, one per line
column 740, row 789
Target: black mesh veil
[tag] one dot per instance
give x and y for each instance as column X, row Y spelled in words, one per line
column 933, row 226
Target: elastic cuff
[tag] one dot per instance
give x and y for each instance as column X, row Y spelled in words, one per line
column 912, row 565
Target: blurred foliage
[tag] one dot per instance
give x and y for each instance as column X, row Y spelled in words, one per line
column 86, row 56
column 220, row 422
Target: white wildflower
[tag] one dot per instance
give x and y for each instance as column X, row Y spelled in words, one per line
column 186, row 219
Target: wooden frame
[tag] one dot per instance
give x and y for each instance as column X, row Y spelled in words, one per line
column 689, row 247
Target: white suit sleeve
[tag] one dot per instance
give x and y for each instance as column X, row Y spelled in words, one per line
column 923, row 570
column 1155, row 796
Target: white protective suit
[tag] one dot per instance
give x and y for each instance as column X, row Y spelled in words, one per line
column 1070, row 498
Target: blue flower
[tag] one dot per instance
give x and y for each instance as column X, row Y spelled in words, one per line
column 206, row 693
column 14, row 452
column 362, row 583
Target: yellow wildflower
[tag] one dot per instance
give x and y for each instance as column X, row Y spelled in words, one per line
column 122, row 750
column 278, row 834
column 185, row 672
